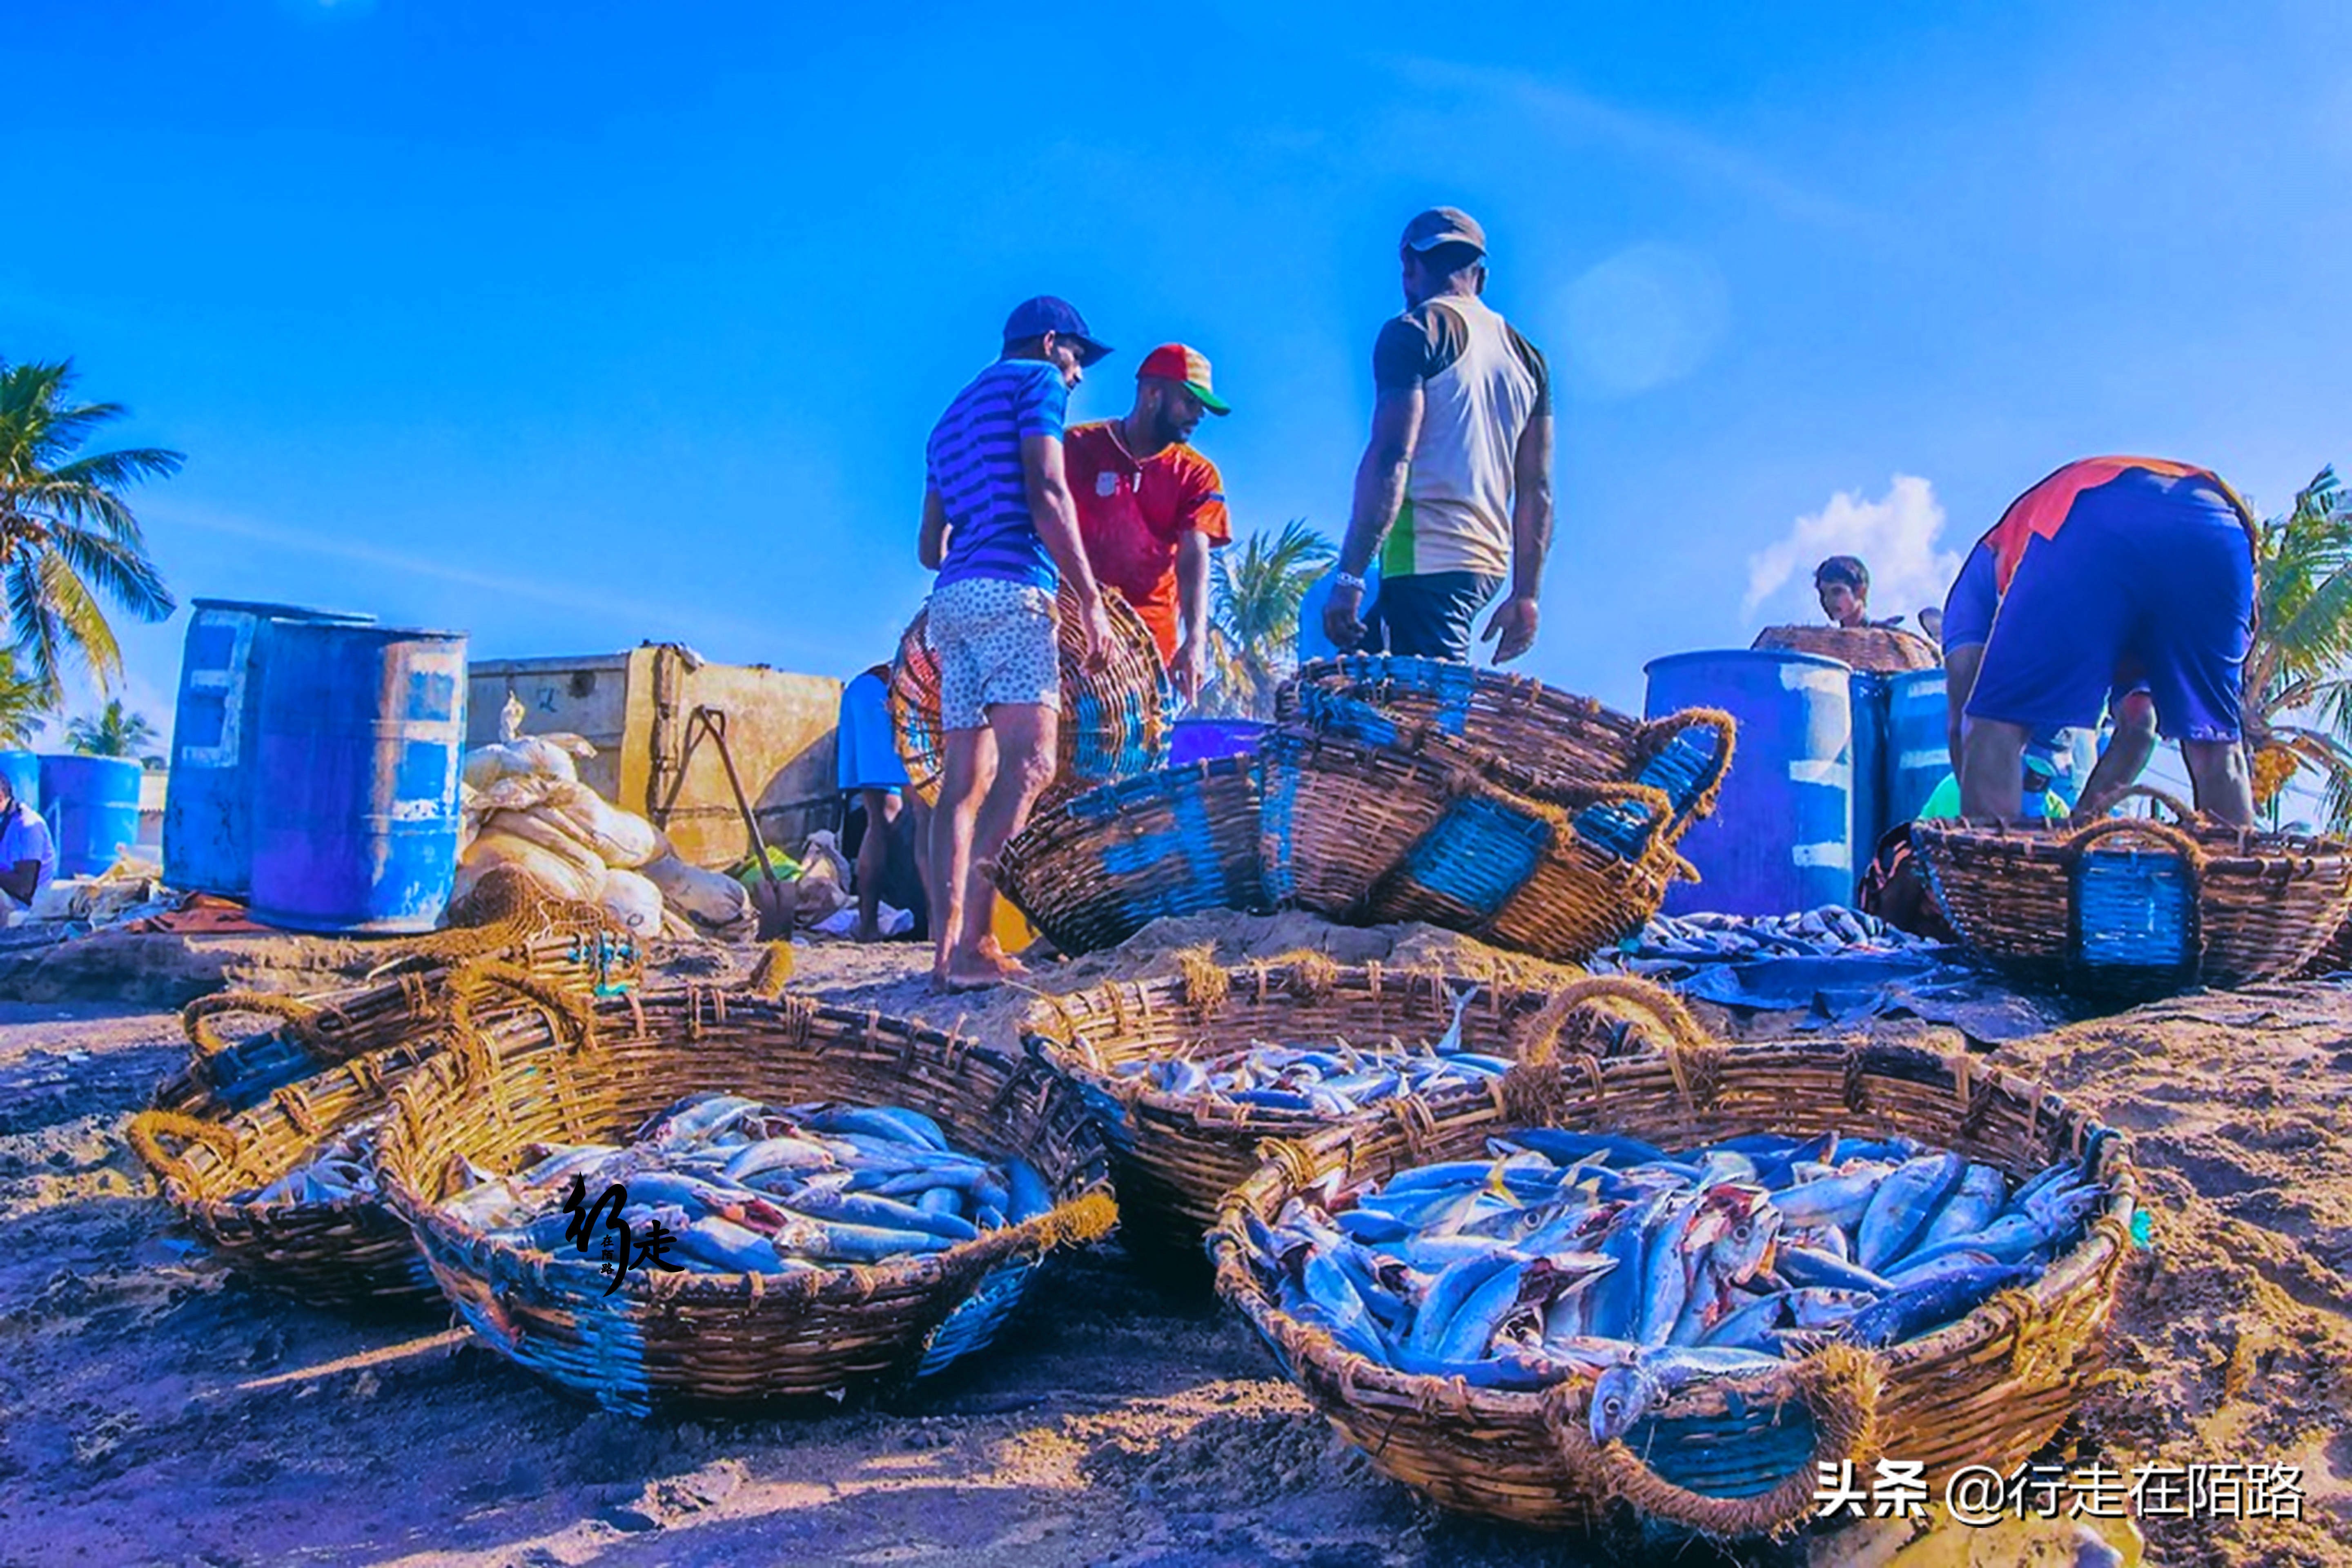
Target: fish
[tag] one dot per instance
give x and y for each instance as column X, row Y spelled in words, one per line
column 1906, row 1314
column 1899, row 1210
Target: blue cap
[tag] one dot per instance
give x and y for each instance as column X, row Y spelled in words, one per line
column 1035, row 318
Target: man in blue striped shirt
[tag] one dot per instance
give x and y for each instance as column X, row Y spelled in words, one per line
column 1001, row 530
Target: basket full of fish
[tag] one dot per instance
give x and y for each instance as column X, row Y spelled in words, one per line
column 1095, row 870
column 1667, row 1288
column 1187, row 1073
column 2134, row 907
column 723, row 1197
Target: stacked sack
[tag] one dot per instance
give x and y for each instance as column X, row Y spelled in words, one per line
column 526, row 809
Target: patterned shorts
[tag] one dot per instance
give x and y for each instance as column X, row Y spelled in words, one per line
column 996, row 643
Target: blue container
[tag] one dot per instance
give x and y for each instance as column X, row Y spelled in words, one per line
column 355, row 778
column 1918, row 752
column 1200, row 739
column 1781, row 837
column 216, row 731
column 91, row 805
column 1866, row 695
column 24, row 771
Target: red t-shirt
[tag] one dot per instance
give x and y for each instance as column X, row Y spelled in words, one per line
column 1133, row 516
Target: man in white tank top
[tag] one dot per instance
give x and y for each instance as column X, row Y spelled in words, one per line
column 1453, row 494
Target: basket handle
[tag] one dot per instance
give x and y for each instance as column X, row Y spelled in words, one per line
column 1661, row 809
column 198, row 1018
column 148, row 1130
column 565, row 1011
column 2168, row 835
column 1656, row 1006
column 1655, row 735
column 2181, row 811
column 1840, row 1386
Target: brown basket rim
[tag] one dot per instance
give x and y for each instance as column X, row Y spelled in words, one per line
column 850, row 1284
column 1341, row 1369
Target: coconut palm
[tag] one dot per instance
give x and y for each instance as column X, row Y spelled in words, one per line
column 113, row 733
column 23, row 704
column 68, row 539
column 2299, row 673
column 1254, row 617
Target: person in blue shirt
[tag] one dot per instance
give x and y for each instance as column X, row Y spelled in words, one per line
column 28, row 855
column 1001, row 530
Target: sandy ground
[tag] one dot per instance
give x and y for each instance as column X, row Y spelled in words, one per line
column 155, row 1407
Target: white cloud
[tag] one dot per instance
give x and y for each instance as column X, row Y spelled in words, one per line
column 1897, row 538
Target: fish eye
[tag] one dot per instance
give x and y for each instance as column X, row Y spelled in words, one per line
column 1743, row 1233
column 1612, row 1406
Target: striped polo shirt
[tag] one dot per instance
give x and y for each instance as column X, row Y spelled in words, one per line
column 974, row 464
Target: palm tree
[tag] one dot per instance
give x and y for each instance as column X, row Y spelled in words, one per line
column 113, row 733
column 1253, row 618
column 24, row 705
column 2298, row 696
column 68, row 539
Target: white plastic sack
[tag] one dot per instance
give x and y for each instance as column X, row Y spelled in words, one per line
column 532, row 754
column 707, row 897
column 575, row 874
column 636, row 903
column 619, row 837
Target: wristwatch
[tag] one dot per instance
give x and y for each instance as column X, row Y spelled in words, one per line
column 1347, row 580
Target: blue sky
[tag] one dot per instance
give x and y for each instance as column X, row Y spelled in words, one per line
column 576, row 325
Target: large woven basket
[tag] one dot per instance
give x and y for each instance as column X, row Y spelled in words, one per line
column 1117, row 715
column 354, row 1251
column 1550, row 737
column 1560, row 877
column 1738, row 1456
column 2135, row 906
column 1338, row 816
column 579, row 949
column 1098, row 868
column 1178, row 1156
column 1881, row 650
column 663, row 1337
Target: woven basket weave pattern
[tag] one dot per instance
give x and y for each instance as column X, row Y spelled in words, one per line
column 679, row 1336
column 1988, row 1389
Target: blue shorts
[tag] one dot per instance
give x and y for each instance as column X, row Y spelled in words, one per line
column 866, row 748
column 2147, row 574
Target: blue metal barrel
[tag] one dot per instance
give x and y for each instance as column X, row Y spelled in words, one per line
column 355, row 784
column 216, row 729
column 24, row 771
column 1918, row 754
column 1200, row 739
column 1781, row 837
column 91, row 805
column 1872, row 757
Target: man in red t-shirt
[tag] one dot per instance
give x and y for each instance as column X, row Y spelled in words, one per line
column 1151, row 508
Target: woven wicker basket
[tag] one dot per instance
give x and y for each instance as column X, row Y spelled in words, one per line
column 1560, row 877
column 1118, row 716
column 1881, row 650
column 1096, row 869
column 1178, row 1156
column 2135, row 906
column 1337, row 818
column 1738, row 1456
column 576, row 948
column 663, row 1337
column 1553, row 738
column 351, row 1252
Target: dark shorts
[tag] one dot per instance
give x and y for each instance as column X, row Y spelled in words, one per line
column 2149, row 576
column 1428, row 614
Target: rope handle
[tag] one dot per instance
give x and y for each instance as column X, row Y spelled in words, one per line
column 150, row 1128
column 1655, row 1004
column 1652, row 736
column 1840, row 1386
column 2169, row 836
column 565, row 1011
column 198, row 1018
column 1661, row 811
column 2181, row 811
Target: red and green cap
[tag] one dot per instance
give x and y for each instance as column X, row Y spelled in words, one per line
column 1174, row 362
